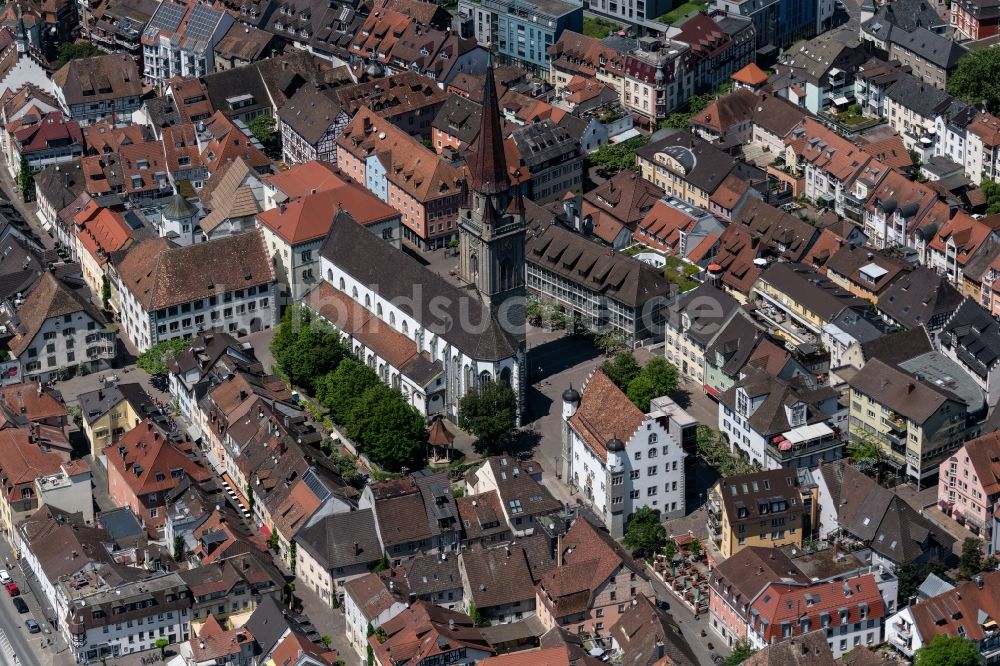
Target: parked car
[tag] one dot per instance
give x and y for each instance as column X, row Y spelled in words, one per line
column 20, row 605
column 5, row 577
column 32, row 626
column 12, row 589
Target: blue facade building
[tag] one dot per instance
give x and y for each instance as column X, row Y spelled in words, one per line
column 521, row 31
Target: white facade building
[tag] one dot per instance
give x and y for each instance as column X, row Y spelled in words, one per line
column 621, row 459
column 171, row 292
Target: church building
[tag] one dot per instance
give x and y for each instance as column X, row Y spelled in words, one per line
column 424, row 335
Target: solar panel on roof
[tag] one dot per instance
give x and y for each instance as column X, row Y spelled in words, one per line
column 201, row 23
column 167, row 17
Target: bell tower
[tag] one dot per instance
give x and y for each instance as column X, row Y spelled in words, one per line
column 491, row 224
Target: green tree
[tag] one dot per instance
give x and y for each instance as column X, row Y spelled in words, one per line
column 619, row 156
column 656, row 378
column 695, row 548
column 105, row 291
column 306, row 348
column 262, row 127
column 670, row 551
column 25, row 180
column 910, row 577
column 154, row 360
column 69, row 52
column 389, row 430
column 977, row 78
column 622, row 369
column 381, row 565
column 992, row 192
column 293, row 555
column 645, row 534
column 971, row 561
column 340, row 390
column 610, row 340
column 945, row 650
column 742, row 651
column 490, row 413
column 162, row 644
column 346, row 466
column 178, row 548
column 274, row 540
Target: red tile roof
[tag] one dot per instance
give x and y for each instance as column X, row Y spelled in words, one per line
column 424, row 631
column 52, row 128
column 605, row 413
column 308, row 178
column 967, row 607
column 752, row 75
column 309, row 218
column 838, row 603
column 148, row 462
column 102, row 231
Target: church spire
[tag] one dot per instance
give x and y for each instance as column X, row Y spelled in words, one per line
column 489, row 168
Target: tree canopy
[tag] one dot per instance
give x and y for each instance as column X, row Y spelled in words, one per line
column 714, row 448
column 340, row 390
column 645, row 534
column 621, row 369
column 945, row 650
column 490, row 413
column 262, row 127
column 76, row 51
column 742, row 650
column 910, row 577
column 389, row 430
column 154, row 360
column 656, row 378
column 977, row 78
column 619, row 156
column 971, row 561
column 306, row 348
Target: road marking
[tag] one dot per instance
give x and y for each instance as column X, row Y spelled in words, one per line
column 10, row 657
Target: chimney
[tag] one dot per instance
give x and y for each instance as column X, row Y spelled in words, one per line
column 979, row 582
column 357, row 548
column 451, row 623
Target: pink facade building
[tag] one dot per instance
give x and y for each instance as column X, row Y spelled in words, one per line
column 969, row 483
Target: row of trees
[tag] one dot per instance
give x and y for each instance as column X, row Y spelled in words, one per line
column 641, row 385
column 383, row 425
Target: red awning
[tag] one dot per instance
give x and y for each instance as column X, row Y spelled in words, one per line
column 266, row 531
column 711, row 391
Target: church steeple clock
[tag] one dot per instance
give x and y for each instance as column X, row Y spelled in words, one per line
column 491, row 224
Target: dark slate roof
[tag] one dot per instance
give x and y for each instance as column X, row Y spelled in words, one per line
column 120, row 523
column 973, row 335
column 268, row 623
column 877, row 515
column 431, row 574
column 934, row 48
column 394, row 273
column 922, row 98
column 906, row 15
column 60, row 184
column 592, row 266
column 540, row 143
column 897, row 347
column 342, row 539
column 770, row 417
column 919, row 298
column 95, row 404
column 459, row 117
column 807, row 287
column 707, row 308
column 736, row 342
column 310, row 113
column 706, row 165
